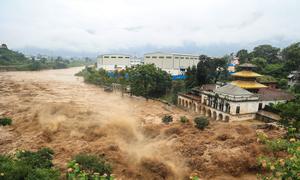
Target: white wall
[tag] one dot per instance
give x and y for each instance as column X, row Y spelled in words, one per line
column 110, row 61
column 245, row 107
column 171, row 62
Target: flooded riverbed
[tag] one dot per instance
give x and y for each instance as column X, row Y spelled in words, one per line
column 56, row 109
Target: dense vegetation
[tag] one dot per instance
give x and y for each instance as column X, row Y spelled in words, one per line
column 208, row 70
column 12, row 60
column 149, row 81
column 38, row 166
column 290, row 114
column 89, row 167
column 143, row 80
column 29, row 165
column 286, row 166
column 272, row 60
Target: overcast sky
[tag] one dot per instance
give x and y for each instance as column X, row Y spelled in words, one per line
column 76, row 27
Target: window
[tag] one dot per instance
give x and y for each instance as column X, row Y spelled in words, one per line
column 176, row 57
column 169, row 57
column 181, row 57
column 147, row 56
column 113, row 56
column 238, row 110
column 154, row 57
column 187, row 58
column 120, row 57
column 260, row 106
column 106, row 56
column 161, row 57
column 127, row 57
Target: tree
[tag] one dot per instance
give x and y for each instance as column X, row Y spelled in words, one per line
column 149, row 81
column 243, row 55
column 202, row 73
column 272, row 69
column 261, row 63
column 291, row 56
column 267, row 52
column 201, row 122
column 283, row 83
column 191, row 79
column 290, row 113
column 4, row 46
column 208, row 71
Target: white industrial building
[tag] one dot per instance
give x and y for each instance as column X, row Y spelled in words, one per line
column 111, row 62
column 173, row 63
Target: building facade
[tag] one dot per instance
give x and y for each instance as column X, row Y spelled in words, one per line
column 111, row 62
column 238, row 100
column 293, row 78
column 172, row 63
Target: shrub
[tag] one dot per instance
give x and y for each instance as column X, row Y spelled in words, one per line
column 167, row 119
column 89, row 167
column 28, row 165
column 287, row 167
column 5, row 121
column 201, row 122
column 40, row 159
column 12, row 169
column 44, row 174
column 184, row 119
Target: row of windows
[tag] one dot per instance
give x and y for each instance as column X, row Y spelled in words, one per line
column 170, row 57
column 120, row 57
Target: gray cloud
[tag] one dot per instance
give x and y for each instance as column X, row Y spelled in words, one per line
column 97, row 26
column 91, row 31
column 134, row 28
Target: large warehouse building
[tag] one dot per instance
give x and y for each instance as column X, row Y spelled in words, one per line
column 111, row 62
column 173, row 63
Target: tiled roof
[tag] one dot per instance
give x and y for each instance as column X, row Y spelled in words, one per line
column 208, row 87
column 270, row 94
column 248, row 84
column 233, row 90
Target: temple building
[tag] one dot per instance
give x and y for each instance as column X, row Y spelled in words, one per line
column 241, row 99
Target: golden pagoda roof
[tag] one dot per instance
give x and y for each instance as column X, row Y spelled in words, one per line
column 248, row 84
column 246, row 74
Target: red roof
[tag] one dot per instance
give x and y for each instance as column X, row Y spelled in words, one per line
column 271, row 94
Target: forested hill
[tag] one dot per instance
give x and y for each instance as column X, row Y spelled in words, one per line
column 14, row 61
column 10, row 57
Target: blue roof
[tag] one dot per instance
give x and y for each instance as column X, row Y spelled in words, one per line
column 178, row 77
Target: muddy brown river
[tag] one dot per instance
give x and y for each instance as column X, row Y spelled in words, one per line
column 56, row 109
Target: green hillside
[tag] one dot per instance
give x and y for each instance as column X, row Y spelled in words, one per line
column 9, row 57
column 14, row 61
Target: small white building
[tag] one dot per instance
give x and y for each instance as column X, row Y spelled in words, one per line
column 173, row 63
column 293, row 78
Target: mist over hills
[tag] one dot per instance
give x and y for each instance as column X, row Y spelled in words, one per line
column 220, row 49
